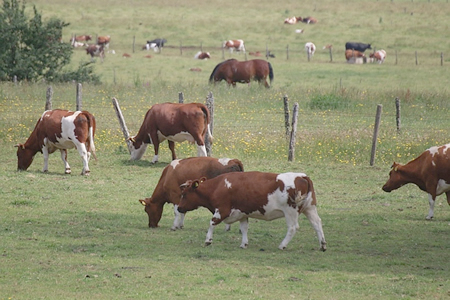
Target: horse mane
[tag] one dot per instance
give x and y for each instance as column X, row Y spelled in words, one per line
column 211, row 78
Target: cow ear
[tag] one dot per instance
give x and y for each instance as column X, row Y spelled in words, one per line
column 185, row 185
column 142, row 202
column 131, row 138
column 203, row 179
column 20, row 146
column 195, row 184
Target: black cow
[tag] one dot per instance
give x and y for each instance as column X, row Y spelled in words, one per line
column 361, row 47
column 155, row 44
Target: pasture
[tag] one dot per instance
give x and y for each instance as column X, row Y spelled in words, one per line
column 70, row 236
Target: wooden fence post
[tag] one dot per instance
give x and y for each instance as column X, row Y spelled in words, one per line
column 375, row 133
column 396, row 57
column 286, row 114
column 442, row 58
column 181, row 48
column 79, row 97
column 293, row 132
column 210, row 105
column 416, row 59
column 180, row 97
column 49, row 96
column 287, row 52
column 397, row 109
column 123, row 126
column 134, row 42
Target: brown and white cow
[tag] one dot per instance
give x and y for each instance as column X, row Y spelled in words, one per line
column 104, row 41
column 349, row 54
column 232, row 45
column 174, row 122
column 430, row 172
column 292, row 20
column 202, row 55
column 59, row 130
column 238, row 196
column 379, row 55
column 308, row 20
column 82, row 38
column 178, row 172
column 95, row 50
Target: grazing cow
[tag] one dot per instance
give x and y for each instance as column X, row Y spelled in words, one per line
column 174, row 122
column 310, row 48
column 379, row 55
column 104, row 41
column 232, row 45
column 349, row 54
column 96, row 50
column 308, row 20
column 76, row 44
column 292, row 20
column 202, row 55
column 156, row 44
column 195, row 69
column 59, row 129
column 82, row 38
column 178, row 172
column 126, row 55
column 238, row 196
column 430, row 172
column 357, row 46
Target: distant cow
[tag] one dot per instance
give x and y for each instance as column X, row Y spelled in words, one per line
column 310, row 49
column 430, row 172
column 353, row 54
column 173, row 122
column 357, row 46
column 156, row 44
column 178, row 172
column 238, row 196
column 59, row 129
column 104, row 41
column 308, row 20
column 292, row 20
column 96, row 50
column 232, row 45
column 379, row 55
column 82, row 38
column 202, row 55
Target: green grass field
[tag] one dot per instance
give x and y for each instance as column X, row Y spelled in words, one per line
column 75, row 237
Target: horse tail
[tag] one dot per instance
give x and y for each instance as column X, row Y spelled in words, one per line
column 270, row 73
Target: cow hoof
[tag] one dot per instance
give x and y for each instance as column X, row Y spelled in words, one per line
column 208, row 243
column 68, row 171
column 282, row 247
column 244, row 246
column 429, row 218
column 87, row 173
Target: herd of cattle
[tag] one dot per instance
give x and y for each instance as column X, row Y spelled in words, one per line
column 220, row 185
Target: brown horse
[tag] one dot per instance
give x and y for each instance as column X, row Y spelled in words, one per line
column 233, row 71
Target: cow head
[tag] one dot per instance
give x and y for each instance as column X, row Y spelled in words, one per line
column 24, row 157
column 153, row 210
column 188, row 188
column 136, row 148
column 395, row 179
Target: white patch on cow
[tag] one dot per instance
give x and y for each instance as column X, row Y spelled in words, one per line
column 227, row 184
column 442, row 187
column 174, row 163
column 433, row 150
column 178, row 138
column 289, row 178
column 224, row 161
column 137, row 153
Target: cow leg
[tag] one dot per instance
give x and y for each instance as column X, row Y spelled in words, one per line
column 172, row 149
column 291, row 216
column 201, row 150
column 209, row 234
column 244, row 230
column 45, row 154
column 84, row 156
column 431, row 211
column 178, row 223
column 316, row 222
column 64, row 159
column 155, row 142
column 448, row 197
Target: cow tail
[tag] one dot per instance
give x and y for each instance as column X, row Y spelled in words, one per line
column 270, row 73
column 310, row 197
column 91, row 124
column 207, row 122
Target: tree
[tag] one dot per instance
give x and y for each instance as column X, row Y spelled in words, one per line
column 32, row 50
